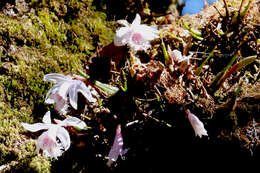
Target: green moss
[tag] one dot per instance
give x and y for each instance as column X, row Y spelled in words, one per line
column 39, row 164
column 53, row 37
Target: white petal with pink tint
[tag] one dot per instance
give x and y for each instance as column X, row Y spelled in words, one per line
column 117, row 148
column 136, row 35
column 47, row 141
column 66, row 91
column 48, row 144
column 74, row 122
column 197, row 125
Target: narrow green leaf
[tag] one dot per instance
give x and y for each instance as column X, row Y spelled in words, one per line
column 196, row 33
column 196, row 36
column 238, row 66
column 106, row 89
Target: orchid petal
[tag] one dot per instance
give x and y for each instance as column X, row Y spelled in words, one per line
column 147, row 32
column 197, row 125
column 35, row 127
column 123, row 22
column 73, row 96
column 86, row 92
column 47, row 118
column 48, row 98
column 137, row 20
column 47, row 143
column 61, row 105
column 79, row 87
column 73, row 121
column 64, row 89
column 56, row 78
column 121, row 32
column 122, row 36
column 64, row 137
column 117, row 148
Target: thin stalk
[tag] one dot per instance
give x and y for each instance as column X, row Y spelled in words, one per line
column 226, row 7
column 175, row 37
column 197, row 72
column 197, row 33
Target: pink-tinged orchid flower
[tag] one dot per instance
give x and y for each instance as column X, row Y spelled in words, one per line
column 117, row 148
column 196, row 124
column 47, row 141
column 178, row 57
column 136, row 35
column 65, row 86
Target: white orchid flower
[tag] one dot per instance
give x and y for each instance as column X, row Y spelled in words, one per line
column 197, row 125
column 65, row 86
column 136, row 35
column 117, row 148
column 47, row 141
column 178, row 57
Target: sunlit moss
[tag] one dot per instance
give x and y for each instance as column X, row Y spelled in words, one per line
column 54, row 36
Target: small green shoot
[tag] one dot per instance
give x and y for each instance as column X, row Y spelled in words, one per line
column 123, row 86
column 190, row 29
column 195, row 34
column 165, row 54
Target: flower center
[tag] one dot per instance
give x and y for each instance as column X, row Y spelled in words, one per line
column 137, row 38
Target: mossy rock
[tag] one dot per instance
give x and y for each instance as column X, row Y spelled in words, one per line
column 40, row 37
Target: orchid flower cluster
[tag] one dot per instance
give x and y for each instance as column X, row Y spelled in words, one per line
column 64, row 94
column 56, row 139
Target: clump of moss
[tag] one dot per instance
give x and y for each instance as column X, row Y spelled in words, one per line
column 42, row 37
